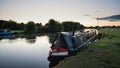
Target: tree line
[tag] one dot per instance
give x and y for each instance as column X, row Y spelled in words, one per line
column 52, row 26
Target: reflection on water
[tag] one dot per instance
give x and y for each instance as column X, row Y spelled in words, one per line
column 7, row 37
column 54, row 61
column 51, row 38
column 25, row 51
column 30, row 38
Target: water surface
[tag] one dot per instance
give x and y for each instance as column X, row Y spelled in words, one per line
column 25, row 52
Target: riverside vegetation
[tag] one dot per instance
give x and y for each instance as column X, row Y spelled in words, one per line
column 104, row 53
column 52, row 26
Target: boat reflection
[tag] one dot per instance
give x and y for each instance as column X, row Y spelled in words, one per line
column 54, row 61
column 7, row 37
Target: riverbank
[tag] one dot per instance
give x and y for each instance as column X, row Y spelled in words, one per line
column 104, row 53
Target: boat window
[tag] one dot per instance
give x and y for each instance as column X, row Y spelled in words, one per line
column 57, row 42
column 69, row 43
column 77, row 41
column 62, row 42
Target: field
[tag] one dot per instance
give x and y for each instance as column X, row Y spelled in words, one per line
column 103, row 53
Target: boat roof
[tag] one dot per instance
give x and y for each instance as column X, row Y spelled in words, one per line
column 64, row 33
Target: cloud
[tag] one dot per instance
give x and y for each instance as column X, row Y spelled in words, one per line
column 110, row 18
column 86, row 15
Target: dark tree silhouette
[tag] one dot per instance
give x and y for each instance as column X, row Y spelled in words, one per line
column 53, row 26
column 12, row 25
column 69, row 26
column 4, row 24
column 30, row 27
column 39, row 27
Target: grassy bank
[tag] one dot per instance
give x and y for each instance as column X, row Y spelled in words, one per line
column 18, row 31
column 104, row 53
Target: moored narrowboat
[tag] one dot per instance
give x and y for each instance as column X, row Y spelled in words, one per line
column 66, row 44
column 6, row 32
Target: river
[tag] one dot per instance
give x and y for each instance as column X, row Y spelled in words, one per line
column 25, row 51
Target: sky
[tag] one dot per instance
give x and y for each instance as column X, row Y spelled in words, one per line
column 40, row 11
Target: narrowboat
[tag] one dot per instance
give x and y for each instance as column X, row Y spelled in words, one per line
column 6, row 32
column 66, row 44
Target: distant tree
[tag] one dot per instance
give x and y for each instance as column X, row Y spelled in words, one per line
column 39, row 27
column 30, row 27
column 12, row 25
column 44, row 29
column 20, row 26
column 76, row 25
column 113, row 26
column 4, row 24
column 82, row 26
column 39, row 24
column 53, row 26
column 68, row 25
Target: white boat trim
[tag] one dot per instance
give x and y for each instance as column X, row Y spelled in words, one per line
column 59, row 54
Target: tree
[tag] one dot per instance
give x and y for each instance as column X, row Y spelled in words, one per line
column 39, row 27
column 20, row 26
column 76, row 26
column 12, row 25
column 30, row 27
column 68, row 25
column 4, row 24
column 54, row 26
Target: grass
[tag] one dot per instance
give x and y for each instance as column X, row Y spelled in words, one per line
column 18, row 31
column 104, row 53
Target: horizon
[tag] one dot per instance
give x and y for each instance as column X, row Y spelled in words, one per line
column 41, row 11
column 60, row 22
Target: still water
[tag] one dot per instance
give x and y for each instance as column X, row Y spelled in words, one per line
column 25, row 52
